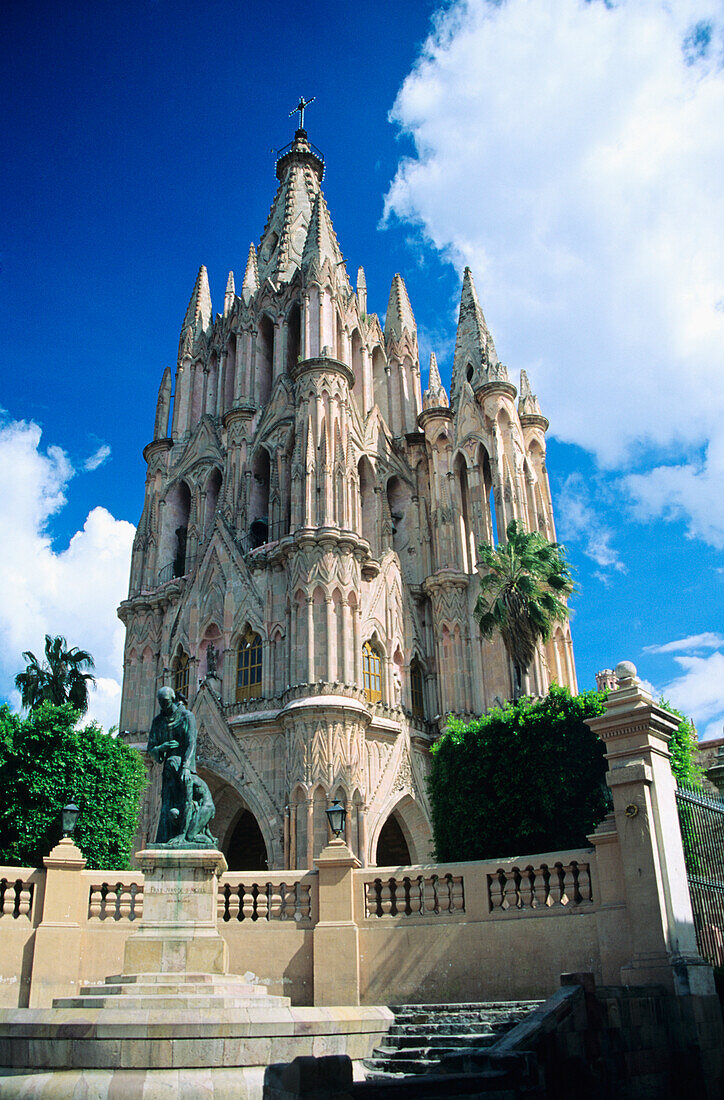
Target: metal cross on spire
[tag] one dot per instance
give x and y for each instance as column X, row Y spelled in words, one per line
column 300, row 107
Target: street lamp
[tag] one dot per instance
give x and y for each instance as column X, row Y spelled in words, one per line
column 336, row 815
column 68, row 817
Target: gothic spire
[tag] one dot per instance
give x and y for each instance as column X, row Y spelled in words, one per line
column 229, row 295
column 362, row 290
column 475, row 356
column 199, row 312
column 399, row 317
column 250, row 284
column 435, row 396
column 299, row 170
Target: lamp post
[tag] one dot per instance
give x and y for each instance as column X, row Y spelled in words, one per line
column 336, row 815
column 68, row 818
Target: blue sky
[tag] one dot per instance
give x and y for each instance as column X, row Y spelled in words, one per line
column 571, row 153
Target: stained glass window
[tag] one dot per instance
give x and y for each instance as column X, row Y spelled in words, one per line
column 371, row 673
column 248, row 667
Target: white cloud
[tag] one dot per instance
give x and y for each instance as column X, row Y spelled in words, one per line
column 73, row 592
column 97, row 458
column 571, row 153
column 578, row 521
column 699, row 691
column 707, row 640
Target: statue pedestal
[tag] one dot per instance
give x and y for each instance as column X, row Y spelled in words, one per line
column 178, row 931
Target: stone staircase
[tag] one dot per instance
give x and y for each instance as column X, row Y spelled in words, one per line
column 423, row 1035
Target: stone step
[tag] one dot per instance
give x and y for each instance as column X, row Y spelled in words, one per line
column 451, row 1028
column 181, row 1002
column 424, row 1039
column 181, row 977
column 466, row 1006
column 404, row 1067
column 168, row 989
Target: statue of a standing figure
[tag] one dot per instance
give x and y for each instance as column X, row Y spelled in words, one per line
column 186, row 803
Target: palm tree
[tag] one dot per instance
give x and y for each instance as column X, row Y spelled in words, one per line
column 59, row 679
column 522, row 594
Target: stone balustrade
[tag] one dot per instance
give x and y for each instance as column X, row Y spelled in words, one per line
column 426, row 895
column 17, row 892
column 542, row 887
column 287, row 896
column 115, row 900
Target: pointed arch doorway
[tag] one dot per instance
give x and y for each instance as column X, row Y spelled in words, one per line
column 392, row 847
column 245, row 849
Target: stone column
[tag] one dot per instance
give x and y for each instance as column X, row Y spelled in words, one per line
column 310, row 832
column 346, row 674
column 56, row 954
column 310, row 641
column 663, row 946
column 335, row 935
column 331, row 639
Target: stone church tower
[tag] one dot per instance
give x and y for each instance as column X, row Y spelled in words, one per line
column 304, row 566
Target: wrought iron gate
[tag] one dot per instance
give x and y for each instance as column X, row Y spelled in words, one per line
column 701, row 816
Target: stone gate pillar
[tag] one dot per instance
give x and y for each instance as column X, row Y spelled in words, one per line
column 636, row 733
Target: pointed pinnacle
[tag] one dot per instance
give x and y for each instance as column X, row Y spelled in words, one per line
column 230, row 293
column 321, row 243
column 199, row 312
column 527, row 402
column 250, row 284
column 399, row 317
column 435, row 396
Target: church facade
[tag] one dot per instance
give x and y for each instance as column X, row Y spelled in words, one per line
column 303, row 571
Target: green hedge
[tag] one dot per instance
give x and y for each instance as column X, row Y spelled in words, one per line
column 46, row 762
column 525, row 779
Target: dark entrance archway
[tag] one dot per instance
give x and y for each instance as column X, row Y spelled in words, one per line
column 392, row 848
column 246, row 849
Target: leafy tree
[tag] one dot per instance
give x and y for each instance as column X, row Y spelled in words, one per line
column 60, row 679
column 522, row 594
column 46, row 762
column 527, row 778
column 684, row 746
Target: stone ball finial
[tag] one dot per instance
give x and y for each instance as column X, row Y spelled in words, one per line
column 626, row 670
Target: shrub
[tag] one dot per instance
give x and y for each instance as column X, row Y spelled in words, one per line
column 527, row 778
column 46, row 762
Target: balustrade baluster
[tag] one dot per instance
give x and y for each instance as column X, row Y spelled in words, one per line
column 510, row 891
column 304, row 910
column 457, row 893
column 584, row 882
column 24, row 899
column 289, row 900
column 568, row 897
column 8, row 898
column 110, row 900
column 275, row 901
column 94, row 903
column 385, row 898
column 548, row 885
column 124, row 902
column 445, row 889
column 555, row 885
column 418, row 895
column 539, row 888
column 246, row 894
column 527, row 896
column 137, row 902
column 495, row 891
column 234, row 900
column 262, row 902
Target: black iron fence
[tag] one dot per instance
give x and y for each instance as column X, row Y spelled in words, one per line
column 701, row 816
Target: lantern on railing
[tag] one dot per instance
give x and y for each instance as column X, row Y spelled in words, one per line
column 336, row 815
column 68, row 818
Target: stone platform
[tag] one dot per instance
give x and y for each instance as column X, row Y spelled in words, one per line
column 167, row 1028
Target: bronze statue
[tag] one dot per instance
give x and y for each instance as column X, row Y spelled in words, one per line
column 186, row 803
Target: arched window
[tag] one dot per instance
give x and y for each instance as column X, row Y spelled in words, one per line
column 248, row 667
column 180, row 675
column 371, row 673
column 417, row 690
